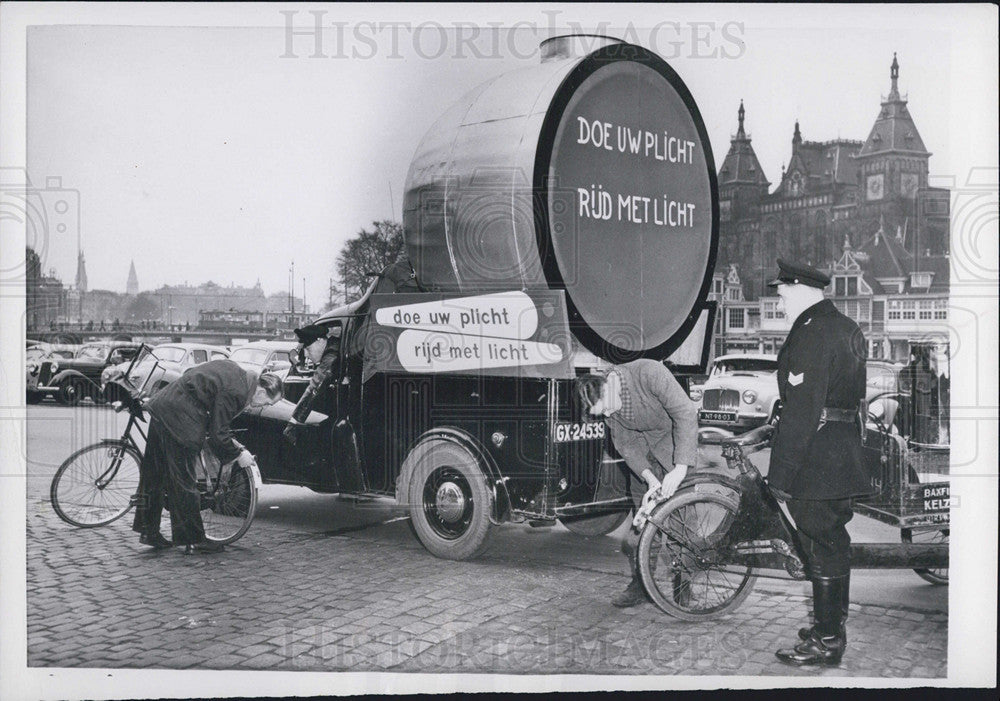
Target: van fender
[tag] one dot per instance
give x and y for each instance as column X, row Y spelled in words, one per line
column 500, row 499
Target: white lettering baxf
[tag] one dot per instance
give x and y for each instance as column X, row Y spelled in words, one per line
column 431, row 351
column 502, row 315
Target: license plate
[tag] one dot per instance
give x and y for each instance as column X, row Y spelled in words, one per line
column 729, row 416
column 586, row 431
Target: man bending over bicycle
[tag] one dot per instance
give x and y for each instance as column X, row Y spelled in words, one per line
column 195, row 409
column 654, row 426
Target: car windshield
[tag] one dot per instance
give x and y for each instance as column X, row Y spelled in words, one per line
column 754, row 365
column 93, row 352
column 171, row 354
column 253, row 356
column 34, row 354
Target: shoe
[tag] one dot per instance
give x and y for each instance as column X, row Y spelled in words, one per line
column 157, row 541
column 206, row 547
column 632, row 596
column 826, row 650
column 828, row 639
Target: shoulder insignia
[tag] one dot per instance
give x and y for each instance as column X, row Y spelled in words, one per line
column 796, row 380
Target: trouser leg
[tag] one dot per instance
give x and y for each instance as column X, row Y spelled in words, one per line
column 183, row 498
column 149, row 507
column 822, row 531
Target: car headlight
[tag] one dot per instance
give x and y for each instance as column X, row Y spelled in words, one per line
column 105, row 375
column 54, row 367
column 32, row 368
column 696, row 395
column 749, row 396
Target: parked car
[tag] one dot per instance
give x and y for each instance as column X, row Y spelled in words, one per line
column 71, row 380
column 170, row 360
column 881, row 377
column 741, row 392
column 33, row 356
column 264, row 356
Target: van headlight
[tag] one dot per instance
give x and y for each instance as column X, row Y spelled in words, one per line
column 696, row 395
column 749, row 396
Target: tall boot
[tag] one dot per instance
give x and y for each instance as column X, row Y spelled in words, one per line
column 827, row 642
column 845, row 605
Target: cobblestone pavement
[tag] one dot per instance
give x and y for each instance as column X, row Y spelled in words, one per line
column 373, row 599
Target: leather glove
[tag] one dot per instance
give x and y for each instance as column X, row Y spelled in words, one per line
column 245, row 459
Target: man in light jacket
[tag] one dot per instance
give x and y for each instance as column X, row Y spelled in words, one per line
column 654, row 427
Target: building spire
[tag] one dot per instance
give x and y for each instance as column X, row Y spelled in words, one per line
column 894, row 75
column 740, row 133
column 797, row 136
column 132, row 286
column 81, row 272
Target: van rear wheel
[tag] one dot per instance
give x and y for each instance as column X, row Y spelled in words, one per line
column 449, row 501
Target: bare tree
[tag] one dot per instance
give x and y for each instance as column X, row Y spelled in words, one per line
column 368, row 252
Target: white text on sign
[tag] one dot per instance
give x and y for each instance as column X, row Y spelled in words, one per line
column 432, row 351
column 502, row 315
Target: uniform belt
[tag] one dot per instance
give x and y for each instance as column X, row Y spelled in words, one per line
column 830, row 413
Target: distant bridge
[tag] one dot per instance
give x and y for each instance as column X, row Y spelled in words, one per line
column 80, row 333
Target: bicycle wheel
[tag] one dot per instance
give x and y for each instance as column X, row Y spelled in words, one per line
column 96, row 484
column 228, row 505
column 937, row 575
column 680, row 561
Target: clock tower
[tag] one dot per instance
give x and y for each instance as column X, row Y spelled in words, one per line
column 893, row 161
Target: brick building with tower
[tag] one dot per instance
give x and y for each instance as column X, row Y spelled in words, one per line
column 862, row 211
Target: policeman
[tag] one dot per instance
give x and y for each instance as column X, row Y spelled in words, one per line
column 816, row 463
column 323, row 351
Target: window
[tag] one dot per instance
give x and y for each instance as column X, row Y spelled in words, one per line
column 852, row 286
column 839, row 287
column 878, row 310
column 736, row 318
column 199, row 356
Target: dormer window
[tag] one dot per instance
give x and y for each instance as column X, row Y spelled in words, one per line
column 921, row 280
column 845, row 286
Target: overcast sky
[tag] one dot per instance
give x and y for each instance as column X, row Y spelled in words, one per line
column 208, row 153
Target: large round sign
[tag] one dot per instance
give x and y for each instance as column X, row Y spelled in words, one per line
column 590, row 173
column 629, row 226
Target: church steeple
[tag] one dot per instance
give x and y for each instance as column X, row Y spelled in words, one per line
column 741, row 165
column 894, row 130
column 132, row 286
column 894, row 77
column 81, row 273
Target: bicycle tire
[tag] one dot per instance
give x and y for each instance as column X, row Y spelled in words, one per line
column 228, row 512
column 695, row 522
column 76, row 494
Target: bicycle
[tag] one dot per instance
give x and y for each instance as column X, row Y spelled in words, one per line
column 701, row 551
column 99, row 483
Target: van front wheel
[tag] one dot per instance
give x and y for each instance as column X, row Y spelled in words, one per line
column 449, row 501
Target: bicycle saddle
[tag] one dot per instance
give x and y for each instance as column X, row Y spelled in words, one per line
column 758, row 435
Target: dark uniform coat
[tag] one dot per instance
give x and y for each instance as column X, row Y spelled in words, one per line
column 203, row 401
column 821, row 364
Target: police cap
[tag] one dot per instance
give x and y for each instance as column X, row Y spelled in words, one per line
column 308, row 335
column 799, row 274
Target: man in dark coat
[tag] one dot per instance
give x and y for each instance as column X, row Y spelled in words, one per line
column 654, row 426
column 816, row 461
column 195, row 409
column 323, row 351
